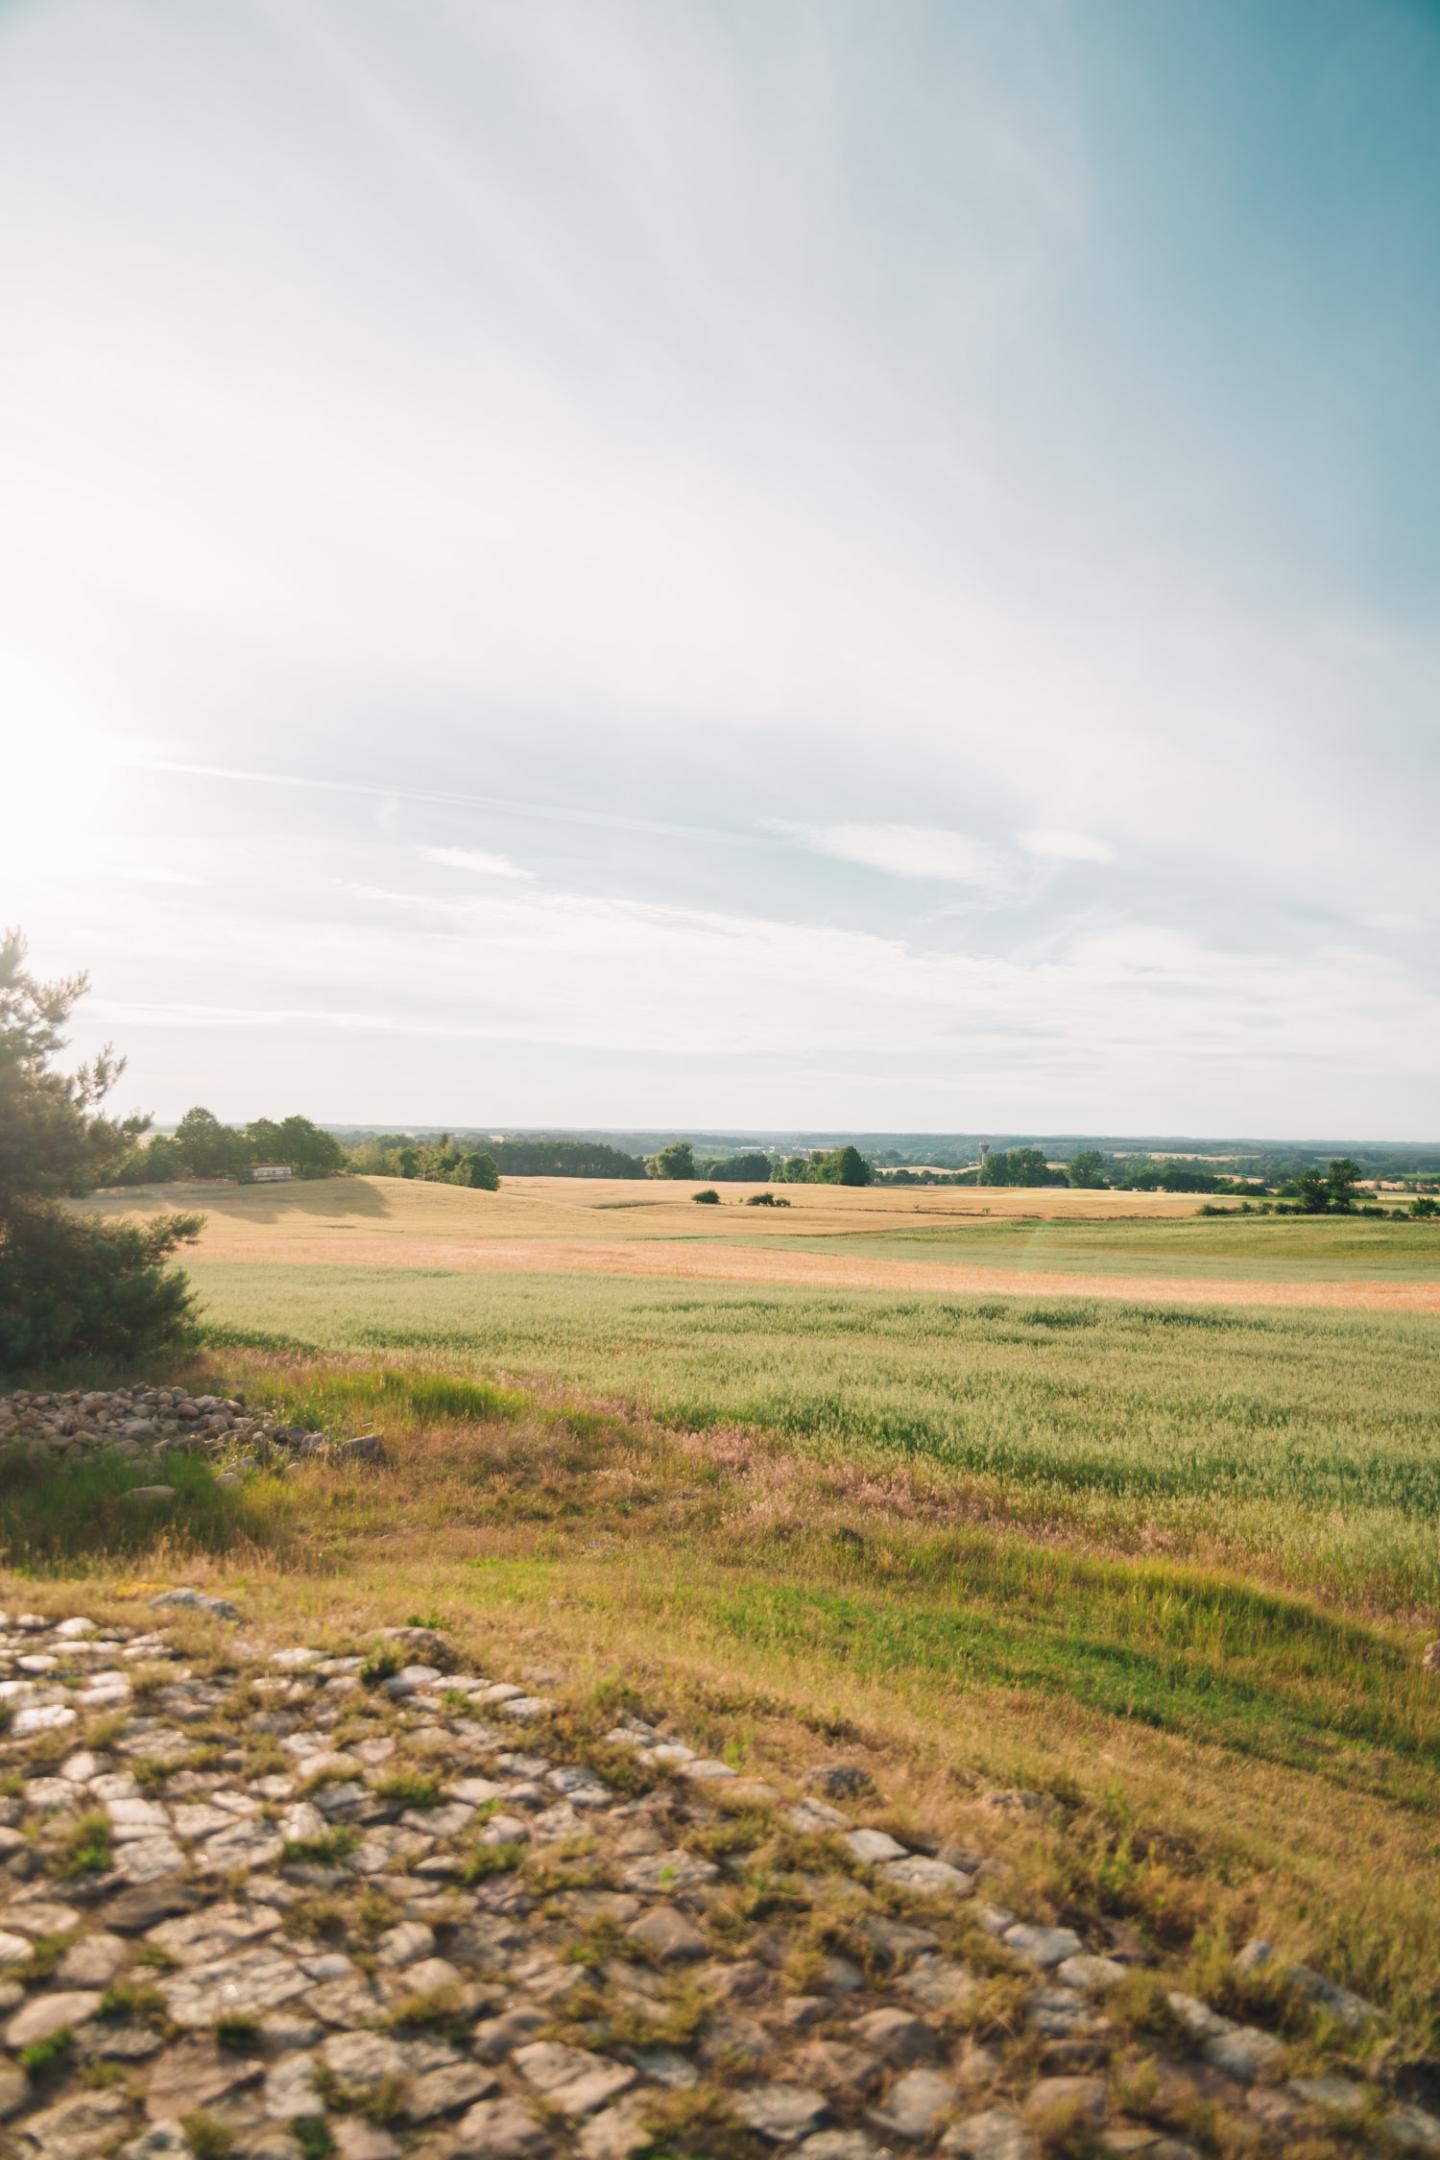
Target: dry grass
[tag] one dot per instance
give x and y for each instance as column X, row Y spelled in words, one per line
column 1222, row 1761
column 651, row 1229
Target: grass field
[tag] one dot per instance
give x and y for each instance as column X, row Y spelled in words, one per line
column 1172, row 1565
column 1268, row 1249
column 1099, row 1244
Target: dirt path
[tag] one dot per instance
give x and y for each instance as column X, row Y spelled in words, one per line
column 811, row 1270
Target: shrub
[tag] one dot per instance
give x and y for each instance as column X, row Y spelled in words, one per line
column 708, row 1198
column 71, row 1288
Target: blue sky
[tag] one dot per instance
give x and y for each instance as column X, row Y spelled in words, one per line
column 729, row 565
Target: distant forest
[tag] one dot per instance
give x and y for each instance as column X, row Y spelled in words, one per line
column 203, row 1148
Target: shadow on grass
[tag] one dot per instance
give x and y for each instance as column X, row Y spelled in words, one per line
column 54, row 1515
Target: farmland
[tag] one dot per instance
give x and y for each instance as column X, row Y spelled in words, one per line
column 1171, row 1562
column 1107, row 1244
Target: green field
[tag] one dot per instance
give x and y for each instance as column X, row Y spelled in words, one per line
column 1304, row 1445
column 1173, row 1566
column 1293, row 1248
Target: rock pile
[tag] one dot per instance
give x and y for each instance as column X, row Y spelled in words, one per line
column 285, row 1904
column 149, row 1423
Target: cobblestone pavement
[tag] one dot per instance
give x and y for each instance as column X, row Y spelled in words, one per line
column 284, row 1903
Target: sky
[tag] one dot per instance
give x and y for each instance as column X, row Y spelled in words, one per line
column 776, row 563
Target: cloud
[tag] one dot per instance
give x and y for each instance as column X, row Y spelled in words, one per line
column 1057, row 846
column 479, row 860
column 912, row 851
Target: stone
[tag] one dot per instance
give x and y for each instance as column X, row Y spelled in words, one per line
column 93, row 1961
column 870, row 1847
column 996, row 2134
column 402, row 1945
column 427, row 1646
column 495, row 2038
column 840, row 1781
column 501, row 2130
column 359, row 2061
column 1064, row 2099
column 446, row 2089
column 1042, row 1946
column 356, row 2139
column 780, row 2111
column 900, row 2039
column 914, row 2105
column 199, row 1601
column 1413, row 2128
column 46, row 2015
column 85, row 2124
column 40, row 1718
column 666, row 1935
column 618, row 2132
column 1095, row 1975
column 841, row 2145
column 365, row 1448
column 148, row 1859
column 137, row 1911
column 927, row 1877
column 1335, row 2095
column 239, row 1986
column 838, row 2068
column 291, row 2091
column 1245, row 2053
column 669, row 1873
column 14, row 2090
column 192, row 2076
column 572, row 2079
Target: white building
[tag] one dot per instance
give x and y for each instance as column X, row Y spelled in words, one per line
column 269, row 1173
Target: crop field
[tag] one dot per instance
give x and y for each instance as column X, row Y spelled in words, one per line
column 1099, row 1244
column 1171, row 1564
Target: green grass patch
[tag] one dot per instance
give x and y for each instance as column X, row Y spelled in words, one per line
column 60, row 1514
column 1308, row 1441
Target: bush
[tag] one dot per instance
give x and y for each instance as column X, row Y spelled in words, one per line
column 76, row 1288
column 708, row 1198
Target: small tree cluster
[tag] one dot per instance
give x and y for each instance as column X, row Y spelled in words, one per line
column 202, row 1147
column 1018, row 1166
column 825, row 1166
column 70, row 1286
column 441, row 1161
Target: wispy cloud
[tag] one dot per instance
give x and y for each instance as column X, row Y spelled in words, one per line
column 480, row 860
column 325, row 784
column 911, row 851
column 1057, row 846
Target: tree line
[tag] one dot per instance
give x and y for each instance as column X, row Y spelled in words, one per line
column 202, row 1147
column 821, row 1166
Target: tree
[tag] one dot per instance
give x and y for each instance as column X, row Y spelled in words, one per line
column 849, row 1168
column 749, row 1169
column 480, row 1171
column 1341, row 1180
column 1018, row 1166
column 675, row 1161
column 309, row 1151
column 1324, row 1192
column 70, row 1287
column 209, row 1149
column 1087, row 1170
